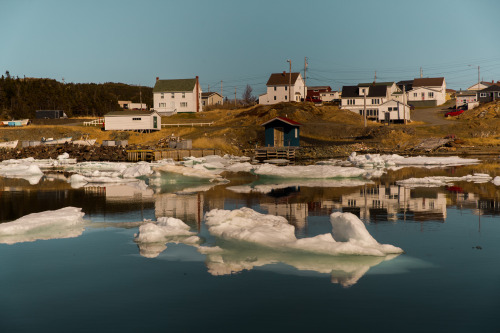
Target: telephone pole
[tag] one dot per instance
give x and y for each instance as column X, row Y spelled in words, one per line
column 364, row 108
column 290, row 82
column 404, row 104
column 305, row 87
column 421, row 73
column 221, row 92
column 375, row 79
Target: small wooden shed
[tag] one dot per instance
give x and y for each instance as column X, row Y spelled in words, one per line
column 282, row 132
column 131, row 120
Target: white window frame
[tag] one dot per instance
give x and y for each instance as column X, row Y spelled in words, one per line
column 184, row 104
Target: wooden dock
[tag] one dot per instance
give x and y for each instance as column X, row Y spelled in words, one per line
column 268, row 153
column 150, row 155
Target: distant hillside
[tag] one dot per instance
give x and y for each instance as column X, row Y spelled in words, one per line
column 20, row 98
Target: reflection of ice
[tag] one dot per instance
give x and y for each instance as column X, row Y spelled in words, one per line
column 344, row 270
column 28, row 171
column 189, row 172
column 266, row 186
column 63, row 223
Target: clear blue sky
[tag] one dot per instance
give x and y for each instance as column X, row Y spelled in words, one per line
column 242, row 42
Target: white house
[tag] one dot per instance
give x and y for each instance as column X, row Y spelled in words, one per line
column 174, row 96
column 466, row 97
column 277, row 88
column 128, row 105
column 480, row 86
column 427, row 92
column 382, row 101
column 129, row 120
column 329, row 96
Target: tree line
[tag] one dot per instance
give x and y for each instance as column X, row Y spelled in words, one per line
column 21, row 97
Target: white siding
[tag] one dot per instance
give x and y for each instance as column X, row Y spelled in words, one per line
column 127, row 122
column 173, row 102
column 277, row 94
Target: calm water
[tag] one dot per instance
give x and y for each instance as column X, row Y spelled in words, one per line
column 447, row 281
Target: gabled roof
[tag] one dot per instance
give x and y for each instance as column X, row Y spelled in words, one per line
column 388, row 84
column 129, row 113
column 492, row 87
column 283, row 119
column 319, row 88
column 281, row 79
column 174, row 85
column 373, row 91
column 466, row 93
column 428, row 82
column 209, row 93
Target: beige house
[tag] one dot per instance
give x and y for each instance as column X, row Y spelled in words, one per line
column 211, row 98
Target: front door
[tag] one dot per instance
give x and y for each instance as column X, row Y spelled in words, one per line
column 279, row 137
column 423, row 96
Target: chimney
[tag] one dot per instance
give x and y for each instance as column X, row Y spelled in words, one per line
column 157, row 78
column 284, row 73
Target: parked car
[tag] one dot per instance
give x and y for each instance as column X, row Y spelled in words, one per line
column 453, row 113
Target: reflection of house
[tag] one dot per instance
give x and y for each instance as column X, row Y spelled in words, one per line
column 384, row 203
column 295, row 213
column 188, row 208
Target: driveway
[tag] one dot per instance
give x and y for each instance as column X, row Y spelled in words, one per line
column 433, row 115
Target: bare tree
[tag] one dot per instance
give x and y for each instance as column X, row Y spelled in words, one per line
column 247, row 96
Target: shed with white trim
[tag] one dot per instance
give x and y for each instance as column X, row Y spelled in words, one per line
column 131, row 120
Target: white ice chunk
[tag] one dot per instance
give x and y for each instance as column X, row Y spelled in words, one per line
column 308, row 171
column 438, row 181
column 188, row 172
column 381, row 161
column 248, row 225
column 62, row 223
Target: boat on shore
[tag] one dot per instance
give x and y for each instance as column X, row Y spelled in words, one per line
column 9, row 144
column 51, row 141
column 84, row 141
column 14, row 123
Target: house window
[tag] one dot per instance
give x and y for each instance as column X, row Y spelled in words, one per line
column 183, row 95
column 173, row 95
column 296, row 133
column 274, row 97
column 414, row 94
column 482, row 95
column 286, row 88
column 286, row 97
column 360, row 112
column 162, row 95
column 430, row 94
column 136, row 118
column 375, row 101
column 184, row 104
column 162, row 105
column 275, row 88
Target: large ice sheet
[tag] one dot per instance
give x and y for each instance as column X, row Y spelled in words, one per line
column 189, row 172
column 66, row 222
column 272, row 231
column 28, row 170
column 382, row 161
column 312, row 171
column 438, row 181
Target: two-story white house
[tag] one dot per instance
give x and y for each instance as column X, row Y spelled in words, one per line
column 427, row 92
column 278, row 87
column 175, row 96
column 382, row 101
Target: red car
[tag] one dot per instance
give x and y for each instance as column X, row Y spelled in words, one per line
column 453, row 113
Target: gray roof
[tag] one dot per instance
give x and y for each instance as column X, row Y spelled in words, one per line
column 129, row 113
column 174, row 85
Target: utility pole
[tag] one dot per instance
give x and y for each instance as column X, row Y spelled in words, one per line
column 221, row 92
column 290, row 82
column 140, row 96
column 305, row 88
column 375, row 79
column 421, row 73
column 478, row 82
column 404, row 104
column 208, row 88
column 364, row 108
column 234, row 96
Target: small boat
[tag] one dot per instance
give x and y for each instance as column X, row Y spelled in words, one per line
column 60, row 141
column 22, row 122
column 85, row 141
column 9, row 144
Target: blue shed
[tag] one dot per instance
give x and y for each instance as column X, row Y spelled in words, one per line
column 282, row 132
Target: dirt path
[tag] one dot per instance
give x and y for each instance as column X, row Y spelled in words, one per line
column 433, row 116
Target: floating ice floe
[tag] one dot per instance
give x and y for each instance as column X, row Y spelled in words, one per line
column 383, row 161
column 66, row 222
column 153, row 236
column 313, row 171
column 29, row 171
column 189, row 172
column 438, row 181
column 272, row 231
